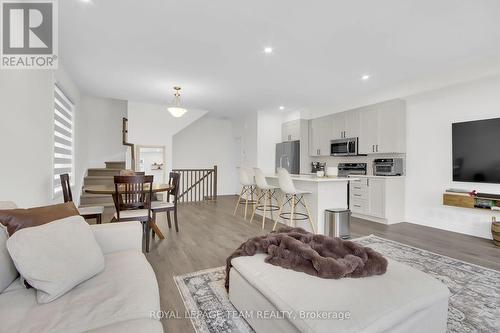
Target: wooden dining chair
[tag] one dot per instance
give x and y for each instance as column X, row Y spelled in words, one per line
column 91, row 212
column 132, row 200
column 168, row 206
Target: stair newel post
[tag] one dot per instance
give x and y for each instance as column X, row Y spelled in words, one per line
column 215, row 183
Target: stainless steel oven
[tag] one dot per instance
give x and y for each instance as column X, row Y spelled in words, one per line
column 388, row 167
column 344, row 147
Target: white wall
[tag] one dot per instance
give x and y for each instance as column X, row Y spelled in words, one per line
column 26, row 134
column 268, row 135
column 153, row 125
column 104, row 123
column 207, row 142
column 429, row 155
column 245, row 132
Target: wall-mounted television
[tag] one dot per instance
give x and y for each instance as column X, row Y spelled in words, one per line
column 476, row 151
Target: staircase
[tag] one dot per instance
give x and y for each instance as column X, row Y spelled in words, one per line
column 101, row 176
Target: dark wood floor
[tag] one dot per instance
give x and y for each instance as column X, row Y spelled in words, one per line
column 209, row 233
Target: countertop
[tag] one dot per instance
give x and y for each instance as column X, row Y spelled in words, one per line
column 314, row 178
column 383, row 177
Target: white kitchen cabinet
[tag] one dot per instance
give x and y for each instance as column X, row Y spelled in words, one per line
column 383, row 128
column 338, row 125
column 352, row 124
column 378, row 199
column 392, row 127
column 346, row 124
column 368, row 130
column 320, row 135
column 290, row 131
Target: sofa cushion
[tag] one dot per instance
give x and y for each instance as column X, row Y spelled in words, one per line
column 125, row 290
column 17, row 219
column 375, row 304
column 56, row 256
column 8, row 272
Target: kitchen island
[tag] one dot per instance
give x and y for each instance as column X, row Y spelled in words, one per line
column 326, row 193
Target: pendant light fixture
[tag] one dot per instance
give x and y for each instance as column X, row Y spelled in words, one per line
column 175, row 107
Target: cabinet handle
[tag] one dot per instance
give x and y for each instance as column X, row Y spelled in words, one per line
column 357, row 206
column 373, row 148
column 377, row 148
column 357, row 195
column 358, row 188
column 368, row 182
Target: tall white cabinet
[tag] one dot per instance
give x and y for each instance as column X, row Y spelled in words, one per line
column 383, row 128
column 320, row 135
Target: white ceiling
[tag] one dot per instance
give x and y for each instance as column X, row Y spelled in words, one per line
column 138, row 50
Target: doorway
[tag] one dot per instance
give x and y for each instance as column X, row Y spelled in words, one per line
column 151, row 160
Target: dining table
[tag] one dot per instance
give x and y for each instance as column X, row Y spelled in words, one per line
column 110, row 190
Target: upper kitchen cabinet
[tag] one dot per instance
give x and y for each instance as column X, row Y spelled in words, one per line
column 290, row 131
column 298, row 130
column 320, row 135
column 346, row 124
column 368, row 137
column 383, row 128
column 338, row 125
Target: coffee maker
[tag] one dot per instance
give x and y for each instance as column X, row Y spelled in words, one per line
column 317, row 166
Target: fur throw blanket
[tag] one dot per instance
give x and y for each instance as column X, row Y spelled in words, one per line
column 318, row 255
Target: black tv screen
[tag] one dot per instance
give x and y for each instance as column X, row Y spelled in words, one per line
column 476, row 151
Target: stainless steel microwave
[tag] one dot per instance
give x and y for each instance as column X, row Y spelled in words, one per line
column 344, row 147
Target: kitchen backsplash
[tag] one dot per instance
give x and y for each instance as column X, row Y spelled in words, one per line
column 334, row 161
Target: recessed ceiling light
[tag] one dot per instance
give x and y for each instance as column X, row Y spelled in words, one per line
column 282, row 107
column 268, row 50
column 365, row 77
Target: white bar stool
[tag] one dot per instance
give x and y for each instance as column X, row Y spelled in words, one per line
column 293, row 197
column 267, row 192
column 247, row 189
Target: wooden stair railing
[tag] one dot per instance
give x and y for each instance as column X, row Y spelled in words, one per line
column 126, row 143
column 197, row 184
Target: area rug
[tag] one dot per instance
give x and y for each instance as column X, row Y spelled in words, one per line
column 473, row 307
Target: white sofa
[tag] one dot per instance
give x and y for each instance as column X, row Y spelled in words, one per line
column 119, row 299
column 403, row 300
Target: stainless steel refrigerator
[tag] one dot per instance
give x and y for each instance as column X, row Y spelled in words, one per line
column 288, row 156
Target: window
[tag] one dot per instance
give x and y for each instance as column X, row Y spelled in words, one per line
column 63, row 139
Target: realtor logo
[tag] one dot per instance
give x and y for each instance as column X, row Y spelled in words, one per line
column 29, row 34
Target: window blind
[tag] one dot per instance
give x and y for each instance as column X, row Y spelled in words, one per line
column 63, row 138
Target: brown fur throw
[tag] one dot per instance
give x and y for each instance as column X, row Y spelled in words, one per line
column 318, row 255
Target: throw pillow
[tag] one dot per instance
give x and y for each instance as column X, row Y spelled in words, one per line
column 57, row 256
column 17, row 219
